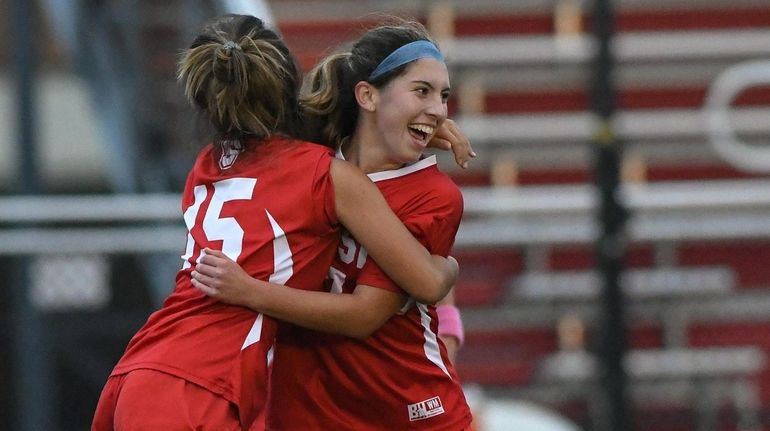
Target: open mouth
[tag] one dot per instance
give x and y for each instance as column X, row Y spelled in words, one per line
column 421, row 131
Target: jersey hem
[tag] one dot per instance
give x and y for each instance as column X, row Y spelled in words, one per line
column 220, row 390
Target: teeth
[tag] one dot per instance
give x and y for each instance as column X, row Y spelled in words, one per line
column 428, row 130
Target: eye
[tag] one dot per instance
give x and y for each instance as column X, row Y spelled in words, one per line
column 444, row 96
column 423, row 91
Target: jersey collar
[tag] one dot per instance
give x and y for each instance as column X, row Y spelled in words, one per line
column 395, row 173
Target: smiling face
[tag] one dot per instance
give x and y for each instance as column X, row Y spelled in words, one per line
column 409, row 109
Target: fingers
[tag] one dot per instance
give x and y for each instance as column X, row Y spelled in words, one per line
column 210, row 291
column 213, row 257
column 207, row 269
column 213, row 252
column 449, row 137
column 214, row 267
column 445, row 136
column 461, row 146
column 206, row 280
column 463, row 140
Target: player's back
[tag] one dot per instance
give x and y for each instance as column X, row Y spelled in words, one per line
column 269, row 207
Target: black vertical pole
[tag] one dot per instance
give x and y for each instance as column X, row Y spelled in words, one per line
column 33, row 384
column 611, row 244
column 23, row 48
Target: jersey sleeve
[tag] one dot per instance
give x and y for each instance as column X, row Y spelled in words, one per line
column 188, row 197
column 434, row 222
column 322, row 190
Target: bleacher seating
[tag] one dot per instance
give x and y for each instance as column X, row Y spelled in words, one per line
column 698, row 279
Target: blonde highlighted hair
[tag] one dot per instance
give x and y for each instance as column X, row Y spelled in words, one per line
column 243, row 78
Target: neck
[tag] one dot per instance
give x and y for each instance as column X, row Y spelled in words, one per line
column 363, row 150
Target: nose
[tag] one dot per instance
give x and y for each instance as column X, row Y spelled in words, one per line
column 437, row 108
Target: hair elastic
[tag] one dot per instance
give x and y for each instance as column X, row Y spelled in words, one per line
column 230, row 45
column 406, row 54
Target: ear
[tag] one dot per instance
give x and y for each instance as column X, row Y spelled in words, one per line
column 366, row 96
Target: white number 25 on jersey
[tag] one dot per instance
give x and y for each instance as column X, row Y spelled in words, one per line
column 224, row 229
column 229, row 231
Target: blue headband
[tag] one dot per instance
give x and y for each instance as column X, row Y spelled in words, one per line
column 406, row 54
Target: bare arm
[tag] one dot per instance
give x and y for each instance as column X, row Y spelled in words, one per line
column 364, row 212
column 355, row 315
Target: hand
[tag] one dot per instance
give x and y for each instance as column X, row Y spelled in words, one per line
column 449, row 137
column 452, row 347
column 220, row 277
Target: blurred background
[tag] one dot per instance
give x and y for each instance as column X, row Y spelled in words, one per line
column 615, row 250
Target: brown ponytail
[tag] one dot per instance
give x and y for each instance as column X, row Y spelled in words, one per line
column 324, row 100
column 243, row 78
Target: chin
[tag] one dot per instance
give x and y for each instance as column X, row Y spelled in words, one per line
column 413, row 157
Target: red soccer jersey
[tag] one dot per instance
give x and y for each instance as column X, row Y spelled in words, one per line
column 400, row 377
column 271, row 209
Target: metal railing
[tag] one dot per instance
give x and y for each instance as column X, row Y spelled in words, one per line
column 515, row 216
